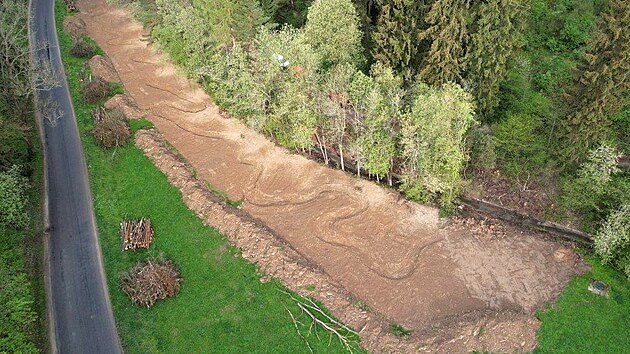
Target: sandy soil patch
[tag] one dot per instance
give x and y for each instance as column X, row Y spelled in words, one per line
column 395, row 256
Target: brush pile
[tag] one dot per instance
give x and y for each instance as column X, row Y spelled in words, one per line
column 148, row 282
column 136, row 234
column 110, row 128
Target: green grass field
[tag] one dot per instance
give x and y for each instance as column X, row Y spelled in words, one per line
column 583, row 322
column 222, row 306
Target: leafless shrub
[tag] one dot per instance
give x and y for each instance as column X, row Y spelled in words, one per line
column 148, row 282
column 95, row 90
column 82, row 49
column 110, row 128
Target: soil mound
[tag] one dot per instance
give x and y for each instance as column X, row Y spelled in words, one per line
column 125, row 104
column 103, row 68
column 75, row 27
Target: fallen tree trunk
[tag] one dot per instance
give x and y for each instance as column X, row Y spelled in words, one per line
column 503, row 213
column 487, row 208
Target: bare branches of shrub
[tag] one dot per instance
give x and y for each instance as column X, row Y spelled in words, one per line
column 95, row 90
column 110, row 128
column 82, row 49
column 148, row 282
column 315, row 318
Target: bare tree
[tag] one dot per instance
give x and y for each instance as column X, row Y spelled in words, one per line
column 15, row 64
column 50, row 110
column 45, row 77
column 20, row 75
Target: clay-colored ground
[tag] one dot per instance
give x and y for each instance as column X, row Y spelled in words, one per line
column 392, row 254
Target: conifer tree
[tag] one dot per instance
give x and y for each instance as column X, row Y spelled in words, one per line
column 601, row 82
column 228, row 20
column 395, row 38
column 498, row 25
column 448, row 35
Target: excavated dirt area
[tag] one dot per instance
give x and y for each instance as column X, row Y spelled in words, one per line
column 457, row 288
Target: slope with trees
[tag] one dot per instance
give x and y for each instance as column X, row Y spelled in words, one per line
column 547, row 80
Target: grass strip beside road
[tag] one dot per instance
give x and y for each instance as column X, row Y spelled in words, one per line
column 222, row 307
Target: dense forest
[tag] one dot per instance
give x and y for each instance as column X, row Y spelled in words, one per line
column 21, row 289
column 426, row 92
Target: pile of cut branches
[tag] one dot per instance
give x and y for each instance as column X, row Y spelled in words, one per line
column 110, row 128
column 94, row 90
column 148, row 282
column 136, row 234
column 316, row 319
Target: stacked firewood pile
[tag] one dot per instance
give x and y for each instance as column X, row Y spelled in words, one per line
column 148, row 282
column 136, row 234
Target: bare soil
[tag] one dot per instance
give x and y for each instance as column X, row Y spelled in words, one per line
column 456, row 289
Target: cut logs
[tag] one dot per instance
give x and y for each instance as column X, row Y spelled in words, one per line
column 136, row 234
column 148, row 282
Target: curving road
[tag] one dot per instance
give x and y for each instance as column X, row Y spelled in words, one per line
column 81, row 318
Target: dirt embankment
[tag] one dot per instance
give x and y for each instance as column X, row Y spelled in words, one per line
column 395, row 256
column 506, row 330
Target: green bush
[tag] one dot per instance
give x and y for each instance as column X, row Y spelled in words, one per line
column 13, row 198
column 482, row 147
column 598, row 189
column 14, row 148
column 16, row 302
column 172, row 42
column 521, row 146
column 593, row 180
column 518, row 95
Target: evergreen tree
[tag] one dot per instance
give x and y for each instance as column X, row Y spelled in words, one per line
column 601, row 82
column 498, row 25
column 228, row 20
column 395, row 38
column 332, row 28
column 448, row 34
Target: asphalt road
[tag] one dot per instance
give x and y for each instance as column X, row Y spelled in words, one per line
column 81, row 315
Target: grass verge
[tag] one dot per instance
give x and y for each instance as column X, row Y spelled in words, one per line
column 583, row 322
column 222, row 307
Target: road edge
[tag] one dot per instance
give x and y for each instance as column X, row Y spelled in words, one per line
column 52, row 339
